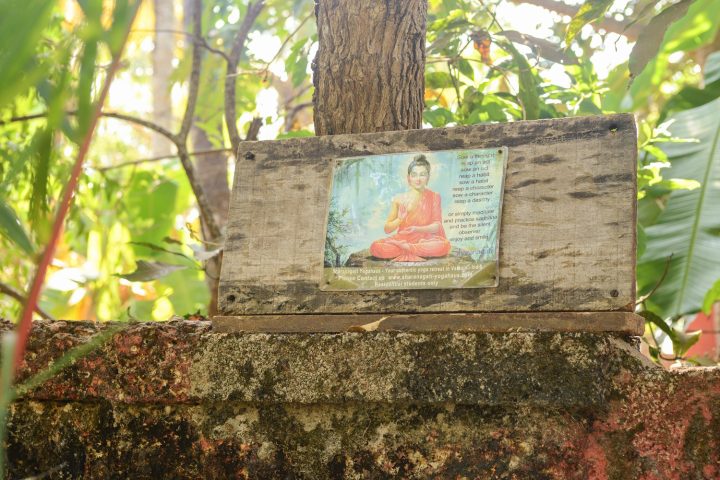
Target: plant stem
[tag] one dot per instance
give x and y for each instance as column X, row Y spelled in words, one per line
column 20, row 297
column 25, row 324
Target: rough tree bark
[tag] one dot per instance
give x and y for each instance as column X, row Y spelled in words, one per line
column 162, row 57
column 369, row 68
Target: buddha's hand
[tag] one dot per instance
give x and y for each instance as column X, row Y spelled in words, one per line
column 402, row 211
column 407, row 230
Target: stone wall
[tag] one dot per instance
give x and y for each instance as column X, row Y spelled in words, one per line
column 176, row 400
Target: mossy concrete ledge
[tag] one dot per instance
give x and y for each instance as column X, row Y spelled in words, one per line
column 176, row 400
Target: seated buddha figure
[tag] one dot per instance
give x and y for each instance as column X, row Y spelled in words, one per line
column 417, row 217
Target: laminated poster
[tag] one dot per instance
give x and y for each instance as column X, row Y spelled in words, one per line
column 418, row 220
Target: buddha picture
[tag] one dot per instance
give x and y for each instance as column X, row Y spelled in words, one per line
column 416, row 217
column 414, row 220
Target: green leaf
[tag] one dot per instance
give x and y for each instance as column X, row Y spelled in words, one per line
column 654, row 352
column 300, row 71
column 590, row 11
column 159, row 248
column 697, row 28
column 189, row 291
column 466, row 69
column 712, row 296
column 173, row 241
column 711, row 70
column 85, row 87
column 42, row 151
column 499, row 105
column 491, row 111
column 691, row 97
column 296, row 62
column 651, row 37
column 438, row 80
column 668, row 185
column 148, row 201
column 686, row 226
column 146, row 271
column 587, row 107
column 649, row 209
column 656, row 152
column 528, row 94
column 12, row 229
column 654, row 319
column 91, row 8
column 22, row 23
column 641, row 241
column 122, row 15
column 646, row 11
column 438, row 117
column 682, row 341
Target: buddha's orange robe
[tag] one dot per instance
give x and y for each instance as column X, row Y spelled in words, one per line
column 421, row 245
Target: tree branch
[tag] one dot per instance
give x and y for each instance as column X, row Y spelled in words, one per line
column 25, row 118
column 120, row 116
column 183, row 154
column 251, row 15
column 216, row 51
column 160, row 158
column 11, row 292
column 194, row 84
column 285, row 42
column 291, row 113
column 202, row 201
column 202, row 40
column 253, row 130
column 297, row 94
column 143, row 123
column 181, row 138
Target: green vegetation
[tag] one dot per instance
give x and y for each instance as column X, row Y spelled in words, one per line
column 145, row 226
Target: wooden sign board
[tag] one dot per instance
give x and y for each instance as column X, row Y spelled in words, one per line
column 566, row 242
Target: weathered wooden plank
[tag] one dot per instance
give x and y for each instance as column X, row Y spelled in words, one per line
column 567, row 239
column 625, row 322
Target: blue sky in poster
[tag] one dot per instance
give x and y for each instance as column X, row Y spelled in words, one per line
column 363, row 189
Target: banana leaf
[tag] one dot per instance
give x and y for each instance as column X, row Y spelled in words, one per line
column 688, row 228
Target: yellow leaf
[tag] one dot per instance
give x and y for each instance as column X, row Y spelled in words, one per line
column 436, row 95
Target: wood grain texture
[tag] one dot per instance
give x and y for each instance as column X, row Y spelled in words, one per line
column 625, row 322
column 567, row 240
column 369, row 68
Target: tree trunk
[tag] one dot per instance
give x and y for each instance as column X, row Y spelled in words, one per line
column 213, row 174
column 162, row 57
column 369, row 68
column 213, row 170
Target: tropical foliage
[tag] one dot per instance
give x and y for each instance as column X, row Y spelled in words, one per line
column 143, row 236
